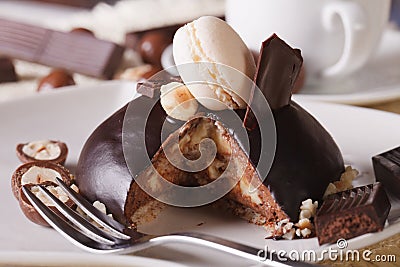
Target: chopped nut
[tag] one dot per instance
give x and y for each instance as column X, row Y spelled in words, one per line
column 100, row 206
column 289, row 235
column 304, row 223
column 37, row 175
column 305, row 232
column 308, row 209
column 298, row 232
column 345, row 182
column 287, row 227
column 55, row 190
column 270, row 230
column 305, row 214
column 42, row 150
column 331, row 189
column 75, row 188
column 139, row 73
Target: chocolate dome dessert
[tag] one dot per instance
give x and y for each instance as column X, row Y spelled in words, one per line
column 306, row 160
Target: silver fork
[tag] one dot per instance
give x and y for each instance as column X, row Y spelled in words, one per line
column 113, row 237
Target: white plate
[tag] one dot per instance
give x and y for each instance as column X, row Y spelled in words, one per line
column 75, row 259
column 71, row 115
column 378, row 81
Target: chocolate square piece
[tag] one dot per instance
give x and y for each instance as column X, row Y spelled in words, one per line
column 151, row 88
column 352, row 213
column 387, row 170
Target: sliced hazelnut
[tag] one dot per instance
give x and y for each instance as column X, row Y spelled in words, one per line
column 81, row 30
column 38, row 172
column 46, row 150
column 140, row 72
column 55, row 79
column 177, row 101
column 31, row 213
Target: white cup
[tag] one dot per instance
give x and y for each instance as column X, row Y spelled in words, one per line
column 336, row 37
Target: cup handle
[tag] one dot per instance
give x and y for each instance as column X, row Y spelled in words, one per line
column 355, row 27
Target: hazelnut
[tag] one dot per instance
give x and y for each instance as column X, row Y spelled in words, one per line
column 139, row 73
column 177, row 101
column 57, row 78
column 31, row 213
column 152, row 45
column 81, row 30
column 37, row 173
column 45, row 150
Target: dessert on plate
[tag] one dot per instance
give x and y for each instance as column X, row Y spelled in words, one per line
column 306, row 158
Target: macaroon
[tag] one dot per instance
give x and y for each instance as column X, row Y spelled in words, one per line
column 211, row 47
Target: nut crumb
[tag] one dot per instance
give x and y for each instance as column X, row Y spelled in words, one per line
column 345, row 182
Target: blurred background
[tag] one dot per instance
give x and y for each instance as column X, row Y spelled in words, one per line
column 125, row 23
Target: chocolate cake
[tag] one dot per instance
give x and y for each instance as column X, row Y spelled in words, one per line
column 306, row 160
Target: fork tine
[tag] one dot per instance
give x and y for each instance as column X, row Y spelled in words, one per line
column 64, row 228
column 105, row 221
column 86, row 227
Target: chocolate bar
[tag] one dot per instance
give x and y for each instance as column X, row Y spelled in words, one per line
column 352, row 213
column 7, row 70
column 79, row 53
column 387, row 170
column 77, row 3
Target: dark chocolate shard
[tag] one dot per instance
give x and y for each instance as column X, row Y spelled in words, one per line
column 352, row 213
column 65, row 50
column 278, row 68
column 387, row 170
column 151, row 88
column 7, row 70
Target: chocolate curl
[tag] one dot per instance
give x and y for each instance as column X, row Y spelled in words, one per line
column 278, row 68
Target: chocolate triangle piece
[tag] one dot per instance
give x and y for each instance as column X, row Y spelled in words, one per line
column 278, row 67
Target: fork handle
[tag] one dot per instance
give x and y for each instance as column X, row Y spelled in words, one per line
column 227, row 246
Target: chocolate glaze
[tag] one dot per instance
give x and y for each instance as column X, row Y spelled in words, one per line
column 102, row 173
column 306, row 160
